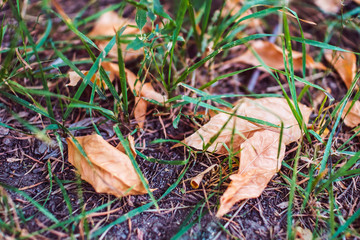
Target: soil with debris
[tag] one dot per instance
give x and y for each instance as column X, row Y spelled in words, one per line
column 28, row 164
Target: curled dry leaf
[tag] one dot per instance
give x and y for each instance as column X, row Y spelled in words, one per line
column 344, row 63
column 332, row 6
column 272, row 56
column 259, row 144
column 195, row 181
column 110, row 171
column 352, row 119
column 107, row 25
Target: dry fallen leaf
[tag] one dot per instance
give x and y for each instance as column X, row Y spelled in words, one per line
column 259, row 144
column 259, row 162
column 352, row 119
column 332, row 6
column 234, row 6
column 272, row 56
column 303, row 234
column 273, row 110
column 107, row 25
column 111, row 170
column 344, row 63
column 109, row 67
column 142, row 90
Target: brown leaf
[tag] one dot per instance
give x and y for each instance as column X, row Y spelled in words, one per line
column 344, row 63
column 258, row 164
column 273, row 110
column 131, row 140
column 259, row 144
column 107, row 25
column 232, row 7
column 352, row 119
column 140, row 111
column 110, row 171
column 272, row 56
column 109, row 67
column 303, row 234
column 332, row 6
column 142, row 90
column 75, row 78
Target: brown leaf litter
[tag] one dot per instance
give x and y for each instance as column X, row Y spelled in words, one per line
column 260, row 151
column 109, row 171
column 272, row 56
column 344, row 63
column 107, row 25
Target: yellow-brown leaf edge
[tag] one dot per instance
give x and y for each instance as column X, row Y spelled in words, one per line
column 110, row 171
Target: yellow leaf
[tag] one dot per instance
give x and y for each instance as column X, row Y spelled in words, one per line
column 131, row 140
column 110, row 171
column 109, row 67
column 344, row 63
column 332, row 6
column 303, row 234
column 352, row 119
column 107, row 25
column 232, row 7
column 140, row 110
column 272, row 56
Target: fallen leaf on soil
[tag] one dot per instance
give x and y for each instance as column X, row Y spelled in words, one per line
column 272, row 56
column 234, row 6
column 352, row 119
column 110, row 171
column 259, row 144
column 142, row 90
column 131, row 140
column 107, row 25
column 303, row 234
column 75, row 78
column 332, row 6
column 344, row 63
column 259, row 162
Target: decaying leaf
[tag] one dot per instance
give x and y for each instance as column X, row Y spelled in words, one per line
column 131, row 140
column 260, row 155
column 332, row 6
column 142, row 90
column 259, row 162
column 344, row 63
column 109, row 67
column 303, row 234
column 234, row 6
column 272, row 56
column 273, row 110
column 110, row 171
column 352, row 119
column 107, row 25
